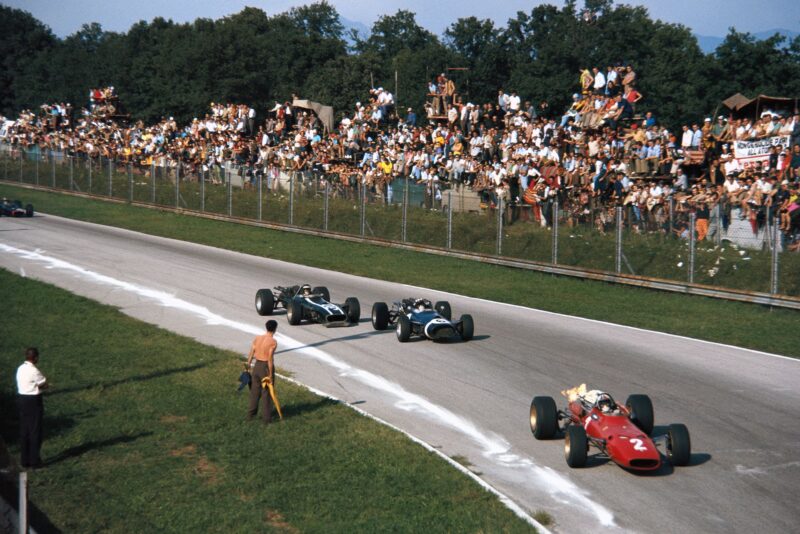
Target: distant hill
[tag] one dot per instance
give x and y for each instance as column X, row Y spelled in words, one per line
column 360, row 27
column 709, row 43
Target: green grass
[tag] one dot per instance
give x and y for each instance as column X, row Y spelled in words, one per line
column 741, row 324
column 145, row 432
column 544, row 518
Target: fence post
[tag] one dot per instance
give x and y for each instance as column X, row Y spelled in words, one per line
column 202, row 189
column 23, row 502
column 53, row 168
column 20, row 165
column 153, row 185
column 71, row 182
column 291, row 197
column 449, row 218
column 110, row 181
column 554, row 215
column 89, row 163
column 776, row 237
column 130, row 183
column 500, row 205
column 38, row 155
column 718, row 234
column 229, row 182
column 178, row 185
column 671, row 214
column 618, row 255
column 260, row 195
column 692, row 218
column 404, row 224
column 362, row 227
column 325, row 205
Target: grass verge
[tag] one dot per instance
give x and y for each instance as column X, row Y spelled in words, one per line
column 145, row 432
column 741, row 324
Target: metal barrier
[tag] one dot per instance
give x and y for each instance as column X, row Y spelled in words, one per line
column 734, row 253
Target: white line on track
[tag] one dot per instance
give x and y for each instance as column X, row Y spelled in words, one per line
column 495, row 448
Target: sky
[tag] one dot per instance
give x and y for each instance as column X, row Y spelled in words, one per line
column 704, row 17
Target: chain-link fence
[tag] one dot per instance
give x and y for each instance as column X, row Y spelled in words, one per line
column 732, row 245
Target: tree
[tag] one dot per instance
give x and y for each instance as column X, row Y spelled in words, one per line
column 23, row 38
column 480, row 47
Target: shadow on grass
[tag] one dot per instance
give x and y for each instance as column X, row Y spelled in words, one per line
column 130, row 379
column 294, row 410
column 74, row 452
column 9, row 490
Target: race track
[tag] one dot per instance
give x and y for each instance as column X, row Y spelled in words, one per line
column 472, row 399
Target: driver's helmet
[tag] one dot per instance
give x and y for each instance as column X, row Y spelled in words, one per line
column 419, row 304
column 605, row 403
column 305, row 290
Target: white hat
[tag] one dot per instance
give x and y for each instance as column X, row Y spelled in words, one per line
column 707, row 119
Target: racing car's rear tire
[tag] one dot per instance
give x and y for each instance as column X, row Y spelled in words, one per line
column 29, row 210
column 467, row 328
column 294, row 312
column 380, row 316
column 322, row 290
column 353, row 309
column 641, row 408
column 576, row 446
column 544, row 417
column 403, row 329
column 679, row 445
column 265, row 302
column 443, row 307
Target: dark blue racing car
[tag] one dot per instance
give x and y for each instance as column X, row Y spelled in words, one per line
column 307, row 303
column 14, row 208
column 418, row 317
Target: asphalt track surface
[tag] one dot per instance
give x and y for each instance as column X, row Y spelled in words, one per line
column 472, row 399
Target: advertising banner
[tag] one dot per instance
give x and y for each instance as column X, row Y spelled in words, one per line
column 749, row 152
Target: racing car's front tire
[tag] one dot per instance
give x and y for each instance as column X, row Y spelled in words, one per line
column 265, row 302
column 467, row 327
column 679, row 445
column 576, row 446
column 322, row 290
column 403, row 329
column 641, row 409
column 544, row 417
column 294, row 312
column 353, row 310
column 443, row 307
column 380, row 316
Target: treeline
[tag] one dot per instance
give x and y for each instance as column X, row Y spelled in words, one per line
column 163, row 68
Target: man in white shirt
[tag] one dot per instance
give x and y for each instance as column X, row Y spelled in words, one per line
column 599, row 81
column 502, row 100
column 30, row 384
column 686, row 137
column 697, row 136
column 731, row 184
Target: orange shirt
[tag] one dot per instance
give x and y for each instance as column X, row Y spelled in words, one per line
column 264, row 347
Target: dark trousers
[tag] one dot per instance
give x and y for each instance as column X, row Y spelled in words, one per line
column 31, row 413
column 257, row 393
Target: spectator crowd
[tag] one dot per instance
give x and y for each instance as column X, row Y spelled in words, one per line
column 603, row 151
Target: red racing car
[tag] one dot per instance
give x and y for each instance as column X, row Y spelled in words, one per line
column 621, row 433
